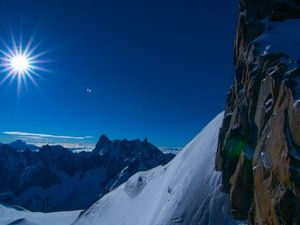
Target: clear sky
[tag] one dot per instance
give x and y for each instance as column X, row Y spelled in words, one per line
column 129, row 69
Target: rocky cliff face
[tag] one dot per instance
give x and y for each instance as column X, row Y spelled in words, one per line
column 259, row 142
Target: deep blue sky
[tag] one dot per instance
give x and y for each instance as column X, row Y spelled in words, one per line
column 157, row 69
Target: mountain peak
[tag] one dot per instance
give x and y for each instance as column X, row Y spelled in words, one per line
column 145, row 140
column 21, row 145
column 104, row 139
column 103, row 142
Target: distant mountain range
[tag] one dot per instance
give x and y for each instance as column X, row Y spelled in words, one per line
column 53, row 178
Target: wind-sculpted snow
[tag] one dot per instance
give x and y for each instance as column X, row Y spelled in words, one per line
column 186, row 191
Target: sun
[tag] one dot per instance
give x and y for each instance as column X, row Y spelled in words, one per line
column 21, row 62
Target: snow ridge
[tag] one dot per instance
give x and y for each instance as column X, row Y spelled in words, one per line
column 186, row 191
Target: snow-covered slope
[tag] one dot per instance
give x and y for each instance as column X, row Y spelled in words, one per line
column 185, row 191
column 19, row 216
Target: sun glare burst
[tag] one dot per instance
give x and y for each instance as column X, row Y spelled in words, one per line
column 21, row 63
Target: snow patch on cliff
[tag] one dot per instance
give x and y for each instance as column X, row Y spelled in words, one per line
column 271, row 41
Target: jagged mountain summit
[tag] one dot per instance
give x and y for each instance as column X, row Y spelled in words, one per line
column 55, row 179
column 259, row 153
column 119, row 149
column 186, row 191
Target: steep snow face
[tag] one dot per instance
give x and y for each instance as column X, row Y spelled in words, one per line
column 9, row 215
column 186, row 191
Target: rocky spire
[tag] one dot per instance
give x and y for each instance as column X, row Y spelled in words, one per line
column 102, row 142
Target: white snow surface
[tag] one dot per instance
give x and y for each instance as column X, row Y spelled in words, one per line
column 10, row 215
column 185, row 191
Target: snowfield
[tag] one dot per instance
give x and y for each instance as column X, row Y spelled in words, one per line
column 19, row 216
column 186, row 191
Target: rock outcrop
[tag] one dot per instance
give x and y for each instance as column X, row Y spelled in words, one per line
column 259, row 142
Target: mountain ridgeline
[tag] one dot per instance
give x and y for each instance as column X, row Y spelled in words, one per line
column 54, row 178
column 259, row 142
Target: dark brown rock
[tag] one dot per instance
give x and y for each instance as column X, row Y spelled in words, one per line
column 294, row 122
column 258, row 150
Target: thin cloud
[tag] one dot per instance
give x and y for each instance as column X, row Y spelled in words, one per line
column 35, row 135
